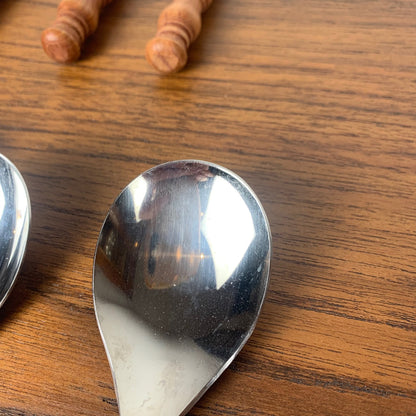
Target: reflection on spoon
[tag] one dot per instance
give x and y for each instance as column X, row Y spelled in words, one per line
column 14, row 224
column 180, row 274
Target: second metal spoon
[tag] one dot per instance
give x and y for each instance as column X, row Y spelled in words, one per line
column 14, row 224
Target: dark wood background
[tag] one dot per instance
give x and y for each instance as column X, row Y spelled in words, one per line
column 313, row 103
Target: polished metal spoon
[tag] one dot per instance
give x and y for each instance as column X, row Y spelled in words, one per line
column 14, row 224
column 180, row 274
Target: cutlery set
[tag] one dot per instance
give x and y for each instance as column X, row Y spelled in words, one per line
column 181, row 270
column 182, row 262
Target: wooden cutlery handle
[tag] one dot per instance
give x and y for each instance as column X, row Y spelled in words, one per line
column 75, row 21
column 178, row 26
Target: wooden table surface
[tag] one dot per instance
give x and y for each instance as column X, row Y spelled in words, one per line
column 313, row 103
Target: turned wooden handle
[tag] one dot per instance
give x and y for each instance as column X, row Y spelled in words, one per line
column 178, row 26
column 75, row 21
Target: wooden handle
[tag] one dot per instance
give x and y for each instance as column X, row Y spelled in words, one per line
column 75, row 21
column 178, row 26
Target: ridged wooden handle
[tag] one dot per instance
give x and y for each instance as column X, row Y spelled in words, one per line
column 178, row 26
column 75, row 21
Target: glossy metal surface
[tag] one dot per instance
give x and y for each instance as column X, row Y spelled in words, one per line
column 180, row 274
column 14, row 224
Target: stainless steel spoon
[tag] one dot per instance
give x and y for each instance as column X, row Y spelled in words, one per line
column 180, row 274
column 14, row 224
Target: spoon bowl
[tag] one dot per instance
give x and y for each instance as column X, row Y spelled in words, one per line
column 14, row 224
column 181, row 270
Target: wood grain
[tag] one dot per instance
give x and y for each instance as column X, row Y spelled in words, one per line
column 312, row 103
